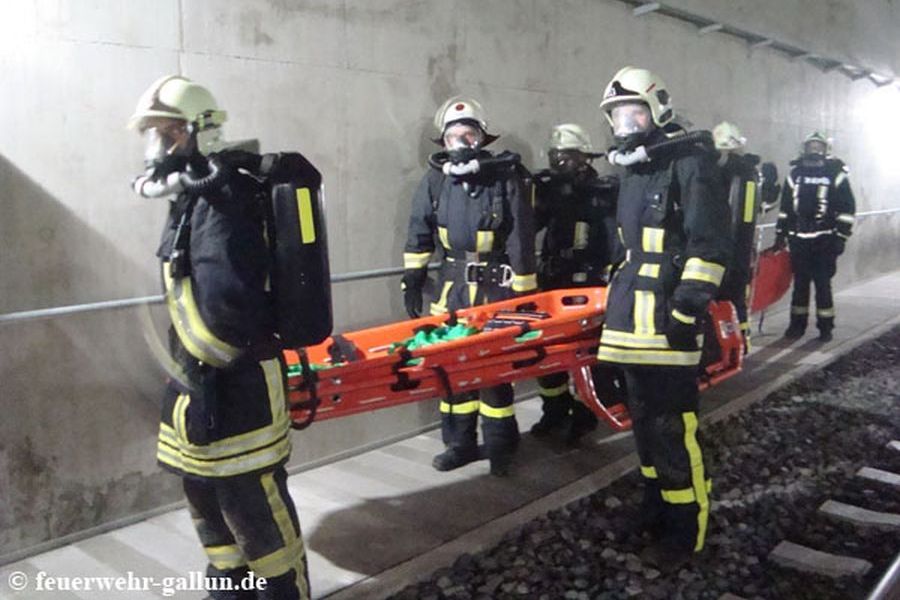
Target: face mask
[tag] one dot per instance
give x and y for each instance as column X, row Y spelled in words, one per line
column 162, row 152
column 631, row 124
column 567, row 162
column 462, row 142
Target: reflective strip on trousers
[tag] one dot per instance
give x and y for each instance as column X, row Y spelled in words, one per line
column 463, row 408
column 494, row 412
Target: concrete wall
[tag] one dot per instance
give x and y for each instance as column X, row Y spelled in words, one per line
column 353, row 84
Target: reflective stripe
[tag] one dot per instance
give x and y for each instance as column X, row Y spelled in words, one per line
column 554, row 391
column 680, row 316
column 813, row 234
column 697, row 269
column 825, row 312
column 846, row 218
column 644, row 308
column 633, row 340
column 698, row 478
column 822, row 192
column 841, row 178
column 749, row 201
column 621, row 235
column 683, row 496
column 225, row 558
column 649, row 270
column 649, row 472
column 440, row 307
column 415, row 260
column 652, row 239
column 442, row 235
column 293, row 552
column 305, row 212
column 192, row 331
column 799, row 310
column 842, row 236
column 790, row 181
column 245, row 463
column 463, row 408
column 782, row 215
column 580, row 238
column 473, row 291
column 524, row 283
column 484, row 241
column 675, row 358
column 493, row 412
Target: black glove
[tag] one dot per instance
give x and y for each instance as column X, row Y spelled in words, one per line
column 681, row 336
column 412, row 284
column 838, row 245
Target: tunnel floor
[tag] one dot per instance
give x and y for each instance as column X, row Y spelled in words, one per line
column 375, row 522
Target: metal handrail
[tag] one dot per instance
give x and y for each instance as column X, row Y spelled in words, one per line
column 48, row 313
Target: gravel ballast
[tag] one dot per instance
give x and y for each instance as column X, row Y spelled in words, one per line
column 773, row 465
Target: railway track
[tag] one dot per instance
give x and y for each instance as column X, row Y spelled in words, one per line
column 806, row 504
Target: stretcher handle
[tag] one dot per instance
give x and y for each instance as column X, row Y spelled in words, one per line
column 616, row 416
column 540, row 354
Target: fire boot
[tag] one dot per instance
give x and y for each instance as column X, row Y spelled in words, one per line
column 651, row 512
column 679, row 541
column 796, row 329
column 556, row 409
column 583, row 421
column 455, row 457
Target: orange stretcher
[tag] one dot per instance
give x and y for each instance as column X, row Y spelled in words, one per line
column 516, row 339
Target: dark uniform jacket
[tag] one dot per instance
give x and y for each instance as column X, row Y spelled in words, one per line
column 816, row 201
column 673, row 224
column 228, row 414
column 578, row 219
column 485, row 227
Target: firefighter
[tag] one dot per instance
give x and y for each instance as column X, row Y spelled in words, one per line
column 224, row 426
column 673, row 224
column 741, row 178
column 478, row 206
column 816, row 218
column 576, row 209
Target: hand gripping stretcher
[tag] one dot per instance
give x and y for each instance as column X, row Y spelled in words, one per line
column 509, row 341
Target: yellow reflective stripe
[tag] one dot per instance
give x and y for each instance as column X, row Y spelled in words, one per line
column 698, row 477
column 473, row 291
column 179, row 417
column 580, row 236
column 675, row 358
column 683, row 317
column 701, row 270
column 189, row 325
column 649, row 270
column 846, row 218
column 633, row 340
column 415, row 260
column 237, row 465
column 554, row 391
column 494, row 412
column 799, row 310
column 440, row 307
column 644, row 309
column 524, row 283
column 652, row 239
column 621, row 235
column 684, row 496
column 649, row 472
column 225, row 558
column 824, row 312
column 442, row 235
column 294, row 550
column 749, row 201
column 840, row 179
column 484, row 241
column 305, row 212
column 463, row 408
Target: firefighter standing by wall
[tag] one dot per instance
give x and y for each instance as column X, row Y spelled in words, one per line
column 576, row 208
column 224, row 427
column 479, row 207
column 740, row 179
column 673, row 224
column 817, row 215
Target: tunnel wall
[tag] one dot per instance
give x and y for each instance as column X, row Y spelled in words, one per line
column 352, row 84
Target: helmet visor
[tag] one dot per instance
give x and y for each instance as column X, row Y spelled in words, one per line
column 630, row 118
column 463, row 135
column 815, row 147
column 566, row 161
column 164, row 140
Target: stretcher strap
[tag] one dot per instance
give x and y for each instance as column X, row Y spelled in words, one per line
column 310, row 381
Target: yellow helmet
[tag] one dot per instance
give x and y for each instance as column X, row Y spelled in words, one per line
column 632, row 84
column 458, row 108
column 570, row 136
column 821, row 138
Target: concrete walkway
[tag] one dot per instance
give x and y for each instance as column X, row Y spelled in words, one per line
column 374, row 522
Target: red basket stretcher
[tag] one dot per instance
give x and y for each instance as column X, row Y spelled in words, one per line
column 517, row 339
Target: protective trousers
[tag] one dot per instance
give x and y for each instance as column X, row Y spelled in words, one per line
column 813, row 261
column 663, row 402
column 557, row 400
column 248, row 523
column 459, row 421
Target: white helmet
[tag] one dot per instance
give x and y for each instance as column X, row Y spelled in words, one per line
column 570, row 136
column 817, row 136
column 458, row 108
column 632, row 84
column 727, row 137
column 177, row 97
